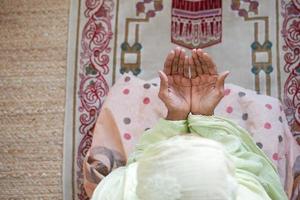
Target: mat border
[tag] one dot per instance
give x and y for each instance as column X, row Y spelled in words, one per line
column 69, row 123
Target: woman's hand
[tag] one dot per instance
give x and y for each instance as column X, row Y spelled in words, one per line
column 207, row 85
column 175, row 85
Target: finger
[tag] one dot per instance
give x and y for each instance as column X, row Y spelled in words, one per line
column 205, row 62
column 186, row 70
column 209, row 64
column 176, row 61
column 197, row 63
column 221, row 81
column 181, row 62
column 193, row 68
column 168, row 62
column 199, row 53
column 201, row 60
column 163, row 89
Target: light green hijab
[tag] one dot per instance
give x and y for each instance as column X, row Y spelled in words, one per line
column 182, row 168
column 186, row 168
column 218, row 161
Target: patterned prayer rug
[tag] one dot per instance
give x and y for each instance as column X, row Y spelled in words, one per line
column 258, row 41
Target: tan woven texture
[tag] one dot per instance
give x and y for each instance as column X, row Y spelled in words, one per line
column 33, row 53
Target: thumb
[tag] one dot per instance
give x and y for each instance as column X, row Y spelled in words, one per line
column 163, row 89
column 221, row 80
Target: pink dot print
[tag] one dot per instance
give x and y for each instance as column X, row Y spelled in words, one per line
column 227, row 92
column 127, row 136
column 276, row 156
column 269, row 106
column 146, row 100
column 127, row 78
column 126, row 91
column 229, row 109
column 267, row 125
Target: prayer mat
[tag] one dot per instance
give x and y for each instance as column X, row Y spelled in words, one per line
column 258, row 41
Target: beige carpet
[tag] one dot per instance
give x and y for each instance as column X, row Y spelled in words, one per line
column 33, row 53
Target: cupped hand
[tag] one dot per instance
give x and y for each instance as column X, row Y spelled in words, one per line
column 207, row 85
column 175, row 85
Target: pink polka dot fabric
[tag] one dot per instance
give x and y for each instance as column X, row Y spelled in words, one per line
column 133, row 106
column 265, row 121
column 127, row 136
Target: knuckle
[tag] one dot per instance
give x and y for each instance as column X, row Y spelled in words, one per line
column 220, row 93
column 161, row 94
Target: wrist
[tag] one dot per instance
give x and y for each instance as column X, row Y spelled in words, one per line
column 176, row 116
column 203, row 113
column 203, row 110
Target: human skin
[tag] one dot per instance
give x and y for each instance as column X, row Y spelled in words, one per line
column 175, row 87
column 207, row 86
column 198, row 92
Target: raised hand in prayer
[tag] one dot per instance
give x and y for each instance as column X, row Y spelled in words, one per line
column 207, row 85
column 175, row 86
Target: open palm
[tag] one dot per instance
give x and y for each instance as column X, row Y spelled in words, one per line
column 207, row 85
column 175, row 86
column 207, row 91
